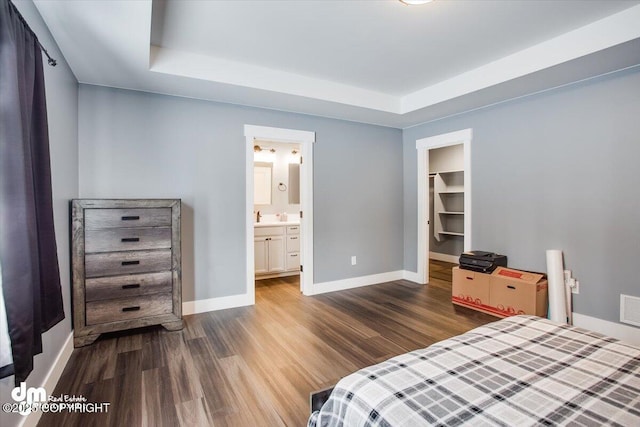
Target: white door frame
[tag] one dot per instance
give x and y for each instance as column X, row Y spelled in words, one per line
column 306, row 140
column 423, row 146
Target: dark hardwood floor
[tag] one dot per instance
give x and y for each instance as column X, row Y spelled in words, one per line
column 256, row 366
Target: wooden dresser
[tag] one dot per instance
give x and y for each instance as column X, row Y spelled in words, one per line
column 126, row 266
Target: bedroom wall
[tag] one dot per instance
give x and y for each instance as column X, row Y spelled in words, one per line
column 62, row 105
column 141, row 145
column 554, row 170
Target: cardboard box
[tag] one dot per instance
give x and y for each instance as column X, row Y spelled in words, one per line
column 470, row 289
column 505, row 292
column 514, row 292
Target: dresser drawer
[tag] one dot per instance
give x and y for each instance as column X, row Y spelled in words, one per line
column 127, row 239
column 293, row 243
column 128, row 286
column 116, row 218
column 293, row 229
column 268, row 231
column 293, row 261
column 121, row 263
column 128, row 308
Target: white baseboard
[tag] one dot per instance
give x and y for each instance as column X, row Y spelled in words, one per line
column 51, row 379
column 356, row 282
column 213, row 304
column 616, row 330
column 411, row 276
column 444, row 257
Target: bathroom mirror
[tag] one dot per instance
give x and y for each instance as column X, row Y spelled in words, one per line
column 262, row 175
column 294, row 183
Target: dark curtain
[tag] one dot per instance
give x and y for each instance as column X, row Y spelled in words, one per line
column 28, row 254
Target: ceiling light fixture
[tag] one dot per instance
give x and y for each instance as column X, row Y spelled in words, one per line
column 415, row 2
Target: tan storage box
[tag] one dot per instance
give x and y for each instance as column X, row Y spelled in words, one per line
column 469, row 288
column 518, row 292
column 505, row 292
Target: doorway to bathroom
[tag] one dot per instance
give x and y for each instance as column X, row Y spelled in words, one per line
column 276, row 189
column 279, row 206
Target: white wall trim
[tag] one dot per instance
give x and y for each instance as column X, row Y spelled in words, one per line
column 356, row 282
column 278, row 134
column 423, row 146
column 410, row 276
column 616, row 330
column 444, row 257
column 213, row 304
column 51, row 379
column 306, row 139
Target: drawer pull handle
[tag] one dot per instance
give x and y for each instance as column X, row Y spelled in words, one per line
column 294, row 238
column 131, row 218
column 469, row 278
column 135, row 308
column 131, row 286
column 511, row 287
column 130, row 262
column 293, row 255
column 130, row 239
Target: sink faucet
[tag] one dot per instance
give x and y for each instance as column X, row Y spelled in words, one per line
column 258, row 216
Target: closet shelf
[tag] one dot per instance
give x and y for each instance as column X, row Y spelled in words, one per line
column 448, row 222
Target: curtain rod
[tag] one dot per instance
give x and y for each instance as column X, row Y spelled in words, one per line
column 51, row 61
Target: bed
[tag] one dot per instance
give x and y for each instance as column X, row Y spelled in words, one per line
column 519, row 371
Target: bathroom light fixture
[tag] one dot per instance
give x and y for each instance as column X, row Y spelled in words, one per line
column 257, row 149
column 294, row 152
column 414, row 2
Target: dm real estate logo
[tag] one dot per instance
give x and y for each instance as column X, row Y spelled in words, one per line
column 28, row 398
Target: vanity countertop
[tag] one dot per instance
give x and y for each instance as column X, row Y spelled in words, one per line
column 276, row 223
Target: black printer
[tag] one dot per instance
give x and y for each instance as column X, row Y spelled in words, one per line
column 481, row 261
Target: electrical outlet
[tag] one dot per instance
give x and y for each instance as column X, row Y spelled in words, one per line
column 570, row 281
column 353, row 260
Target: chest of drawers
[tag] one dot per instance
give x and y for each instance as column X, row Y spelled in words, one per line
column 126, row 266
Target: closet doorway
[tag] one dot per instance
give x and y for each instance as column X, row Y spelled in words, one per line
column 290, row 140
column 444, row 198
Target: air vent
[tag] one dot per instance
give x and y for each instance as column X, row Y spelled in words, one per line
column 630, row 310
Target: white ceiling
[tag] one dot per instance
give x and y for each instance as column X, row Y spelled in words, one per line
column 371, row 61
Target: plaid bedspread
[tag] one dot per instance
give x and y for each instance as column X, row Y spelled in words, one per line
column 519, row 371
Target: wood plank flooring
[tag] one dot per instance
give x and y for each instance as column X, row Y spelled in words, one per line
column 256, row 366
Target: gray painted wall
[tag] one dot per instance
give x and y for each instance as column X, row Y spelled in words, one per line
column 142, row 145
column 554, row 170
column 62, row 103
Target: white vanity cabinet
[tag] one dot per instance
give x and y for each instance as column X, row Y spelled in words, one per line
column 269, row 246
column 293, row 248
column 276, row 250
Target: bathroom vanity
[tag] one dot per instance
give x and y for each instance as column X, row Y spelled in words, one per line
column 276, row 249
